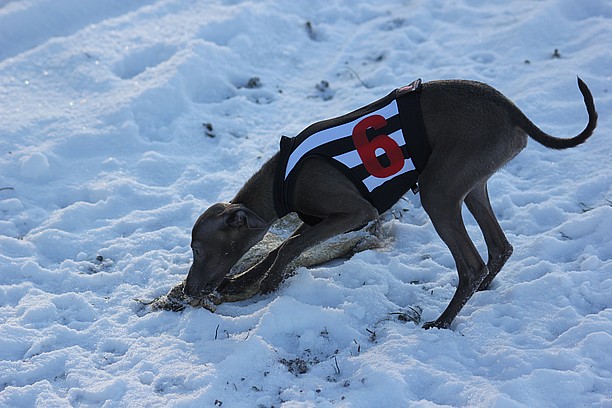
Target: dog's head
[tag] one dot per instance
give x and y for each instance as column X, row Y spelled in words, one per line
column 220, row 236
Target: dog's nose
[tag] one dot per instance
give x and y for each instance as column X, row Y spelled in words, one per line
column 188, row 289
column 193, row 284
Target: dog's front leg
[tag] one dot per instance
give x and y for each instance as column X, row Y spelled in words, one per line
column 331, row 225
column 235, row 285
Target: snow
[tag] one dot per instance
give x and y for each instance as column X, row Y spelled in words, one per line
column 122, row 121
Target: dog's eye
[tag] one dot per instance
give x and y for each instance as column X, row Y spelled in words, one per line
column 196, row 251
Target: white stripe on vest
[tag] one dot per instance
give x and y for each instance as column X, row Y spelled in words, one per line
column 351, row 158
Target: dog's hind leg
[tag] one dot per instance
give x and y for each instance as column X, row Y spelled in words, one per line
column 443, row 202
column 499, row 248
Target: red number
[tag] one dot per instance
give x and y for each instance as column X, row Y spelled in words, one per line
column 367, row 148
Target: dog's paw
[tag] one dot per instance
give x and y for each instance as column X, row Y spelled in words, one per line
column 270, row 283
column 232, row 290
column 230, row 287
column 436, row 324
column 242, row 280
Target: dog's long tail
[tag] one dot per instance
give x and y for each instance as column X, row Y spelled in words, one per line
column 558, row 143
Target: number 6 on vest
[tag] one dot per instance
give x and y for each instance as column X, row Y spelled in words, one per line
column 367, row 148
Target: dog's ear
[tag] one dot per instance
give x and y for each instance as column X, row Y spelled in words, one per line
column 237, row 215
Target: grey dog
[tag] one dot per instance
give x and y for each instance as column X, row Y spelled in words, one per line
column 472, row 130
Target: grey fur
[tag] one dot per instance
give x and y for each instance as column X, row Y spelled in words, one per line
column 472, row 129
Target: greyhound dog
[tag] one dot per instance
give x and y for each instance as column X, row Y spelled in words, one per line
column 472, row 130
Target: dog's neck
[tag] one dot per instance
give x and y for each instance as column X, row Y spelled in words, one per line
column 257, row 194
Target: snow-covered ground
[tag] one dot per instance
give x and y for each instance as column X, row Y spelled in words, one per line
column 121, row 121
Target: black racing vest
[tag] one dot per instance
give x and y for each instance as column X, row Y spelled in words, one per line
column 381, row 148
